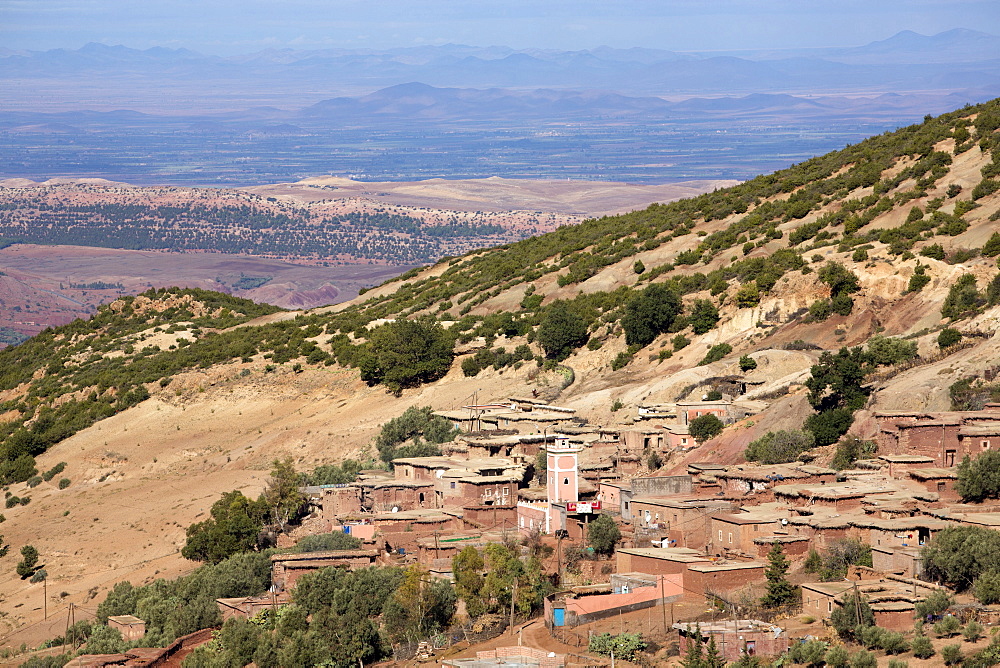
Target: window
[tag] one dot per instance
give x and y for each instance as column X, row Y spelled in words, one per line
column 565, row 481
column 684, row 441
column 453, row 485
column 730, row 538
column 521, row 521
column 829, row 606
column 720, row 535
column 949, row 457
column 506, row 491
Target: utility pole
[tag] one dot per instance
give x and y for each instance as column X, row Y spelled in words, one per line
column 45, row 597
column 663, row 604
column 513, row 598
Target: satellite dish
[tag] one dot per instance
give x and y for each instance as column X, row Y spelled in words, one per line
column 395, row 509
column 784, row 521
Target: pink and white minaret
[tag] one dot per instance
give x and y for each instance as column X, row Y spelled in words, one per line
column 563, row 469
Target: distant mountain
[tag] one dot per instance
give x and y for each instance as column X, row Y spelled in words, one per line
column 160, row 76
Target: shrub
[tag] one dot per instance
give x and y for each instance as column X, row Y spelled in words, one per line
column 933, row 251
column 992, row 246
column 973, row 631
column 963, row 298
column 979, row 478
column 779, row 447
column 859, row 255
column 863, row 659
column 951, row 655
column 716, row 353
column 561, row 331
column 64, row 483
column 747, row 296
column 337, row 540
column 987, row 587
column 948, row 337
column 620, row 361
column 922, row 647
column 820, row 309
column 948, row 627
column 406, row 353
column 704, row 316
column 638, row 267
column 705, row 427
column 603, row 534
column 649, row 314
column 679, row 342
column 747, row 363
column 623, row 645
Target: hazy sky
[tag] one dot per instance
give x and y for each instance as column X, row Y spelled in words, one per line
column 236, row 26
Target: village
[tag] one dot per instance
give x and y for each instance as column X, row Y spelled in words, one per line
column 691, row 541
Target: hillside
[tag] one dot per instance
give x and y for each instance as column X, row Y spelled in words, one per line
column 171, row 392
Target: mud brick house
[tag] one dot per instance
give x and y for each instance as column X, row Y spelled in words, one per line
column 626, row 592
column 246, row 607
column 287, row 568
column 683, row 522
column 899, row 466
column 903, row 561
column 821, row 528
column 402, row 530
column 736, row 533
column 435, row 552
column 892, row 601
column 723, row 578
column 939, row 481
column 946, row 437
column 732, row 637
column 130, row 626
column 492, row 516
column 793, row 546
column 758, row 482
column 700, row 573
column 900, row 532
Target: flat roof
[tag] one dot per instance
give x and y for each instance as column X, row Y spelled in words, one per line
column 680, row 554
column 828, row 588
column 906, row 459
column 731, row 566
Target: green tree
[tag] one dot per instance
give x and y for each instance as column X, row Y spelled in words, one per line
column 234, row 526
column 936, row 603
column 622, row 646
column 987, row 588
column 704, row 316
column 963, row 298
column 337, row 540
column 406, row 353
column 603, row 534
column 420, row 427
column 948, row 627
column 979, row 478
column 779, row 590
column 951, row 655
column 747, row 363
column 282, row 498
column 716, row 353
column 863, row 659
column 561, row 331
column 948, row 337
column 419, row 607
column 29, row 562
column 779, row 447
column 649, row 314
column 842, row 284
column 887, row 350
column 837, row 657
column 992, row 246
column 467, row 567
column 960, row 554
column 973, row 631
column 852, row 617
column 705, row 427
column 922, row 647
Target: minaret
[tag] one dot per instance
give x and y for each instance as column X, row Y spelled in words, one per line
column 563, row 468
